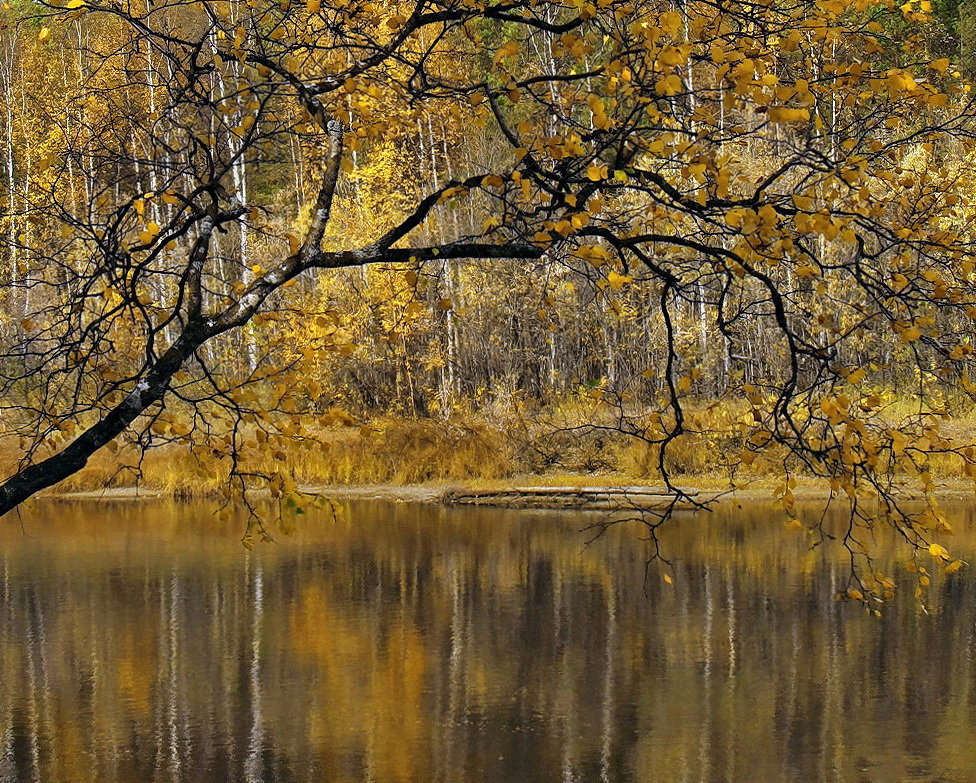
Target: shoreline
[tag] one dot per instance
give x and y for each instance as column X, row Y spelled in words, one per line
column 706, row 489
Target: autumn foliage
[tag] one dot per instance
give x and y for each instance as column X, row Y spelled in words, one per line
column 223, row 222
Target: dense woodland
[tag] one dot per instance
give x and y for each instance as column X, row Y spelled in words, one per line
column 735, row 234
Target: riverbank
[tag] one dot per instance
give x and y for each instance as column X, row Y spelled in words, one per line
column 705, row 489
column 419, row 460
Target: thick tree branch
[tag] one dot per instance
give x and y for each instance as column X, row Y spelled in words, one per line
column 148, row 390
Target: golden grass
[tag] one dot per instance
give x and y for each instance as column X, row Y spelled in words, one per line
column 390, row 451
column 402, row 451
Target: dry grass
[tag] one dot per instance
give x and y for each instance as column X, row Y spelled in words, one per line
column 409, row 451
column 390, row 451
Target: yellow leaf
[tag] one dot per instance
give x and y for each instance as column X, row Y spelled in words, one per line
column 669, row 85
column 670, row 22
column 803, row 202
column 564, row 227
column 807, row 271
column 72, row 4
column 668, row 579
column 595, row 173
column 149, row 233
column 900, row 81
column 672, row 56
column 855, row 594
column 618, row 281
column 939, row 551
column 44, row 34
column 954, row 566
column 786, row 114
column 313, row 6
column 595, row 254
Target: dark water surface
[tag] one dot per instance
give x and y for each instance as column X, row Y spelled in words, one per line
column 141, row 642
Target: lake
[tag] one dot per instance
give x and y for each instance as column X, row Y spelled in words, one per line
column 141, row 642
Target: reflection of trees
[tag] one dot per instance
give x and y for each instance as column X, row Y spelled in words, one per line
column 417, row 644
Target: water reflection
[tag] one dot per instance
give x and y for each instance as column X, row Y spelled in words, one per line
column 140, row 642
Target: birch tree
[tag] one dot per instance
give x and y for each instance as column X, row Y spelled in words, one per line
column 799, row 172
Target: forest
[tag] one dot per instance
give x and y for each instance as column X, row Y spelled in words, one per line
column 256, row 246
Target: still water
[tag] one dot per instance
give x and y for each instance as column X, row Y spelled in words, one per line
column 140, row 642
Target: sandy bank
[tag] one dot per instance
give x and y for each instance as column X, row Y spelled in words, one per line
column 526, row 491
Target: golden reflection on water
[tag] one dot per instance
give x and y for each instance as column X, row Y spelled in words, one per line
column 141, row 642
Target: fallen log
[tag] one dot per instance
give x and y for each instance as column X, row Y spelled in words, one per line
column 583, row 498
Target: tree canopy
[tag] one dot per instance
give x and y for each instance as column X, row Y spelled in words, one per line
column 780, row 191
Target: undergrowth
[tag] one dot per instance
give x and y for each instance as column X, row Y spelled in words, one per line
column 399, row 451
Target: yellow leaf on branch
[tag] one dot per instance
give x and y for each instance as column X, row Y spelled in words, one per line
column 595, row 172
column 618, row 281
